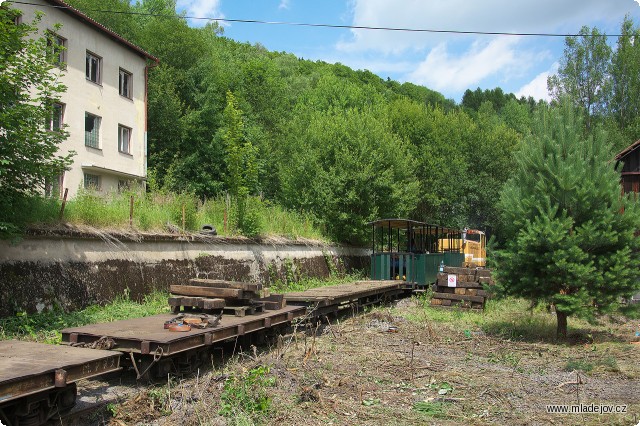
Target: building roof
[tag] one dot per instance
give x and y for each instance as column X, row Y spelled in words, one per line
column 61, row 5
column 627, row 150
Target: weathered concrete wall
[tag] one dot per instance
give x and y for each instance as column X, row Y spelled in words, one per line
column 74, row 270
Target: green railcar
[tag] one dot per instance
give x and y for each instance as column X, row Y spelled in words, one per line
column 413, row 251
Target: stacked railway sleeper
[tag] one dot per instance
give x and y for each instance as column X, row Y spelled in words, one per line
column 462, row 287
column 37, row 381
column 219, row 296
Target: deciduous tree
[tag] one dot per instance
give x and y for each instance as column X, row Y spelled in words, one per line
column 583, row 73
column 28, row 90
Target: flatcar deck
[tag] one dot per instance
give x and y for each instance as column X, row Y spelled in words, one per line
column 329, row 298
column 27, row 367
column 147, row 335
column 38, row 381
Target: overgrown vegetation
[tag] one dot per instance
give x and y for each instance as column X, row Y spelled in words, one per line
column 29, row 133
column 508, row 318
column 162, row 211
column 46, row 326
column 246, row 397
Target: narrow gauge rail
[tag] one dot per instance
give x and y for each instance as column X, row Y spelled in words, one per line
column 152, row 351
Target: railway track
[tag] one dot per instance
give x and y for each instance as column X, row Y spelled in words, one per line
column 38, row 382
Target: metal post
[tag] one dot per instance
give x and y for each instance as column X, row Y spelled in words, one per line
column 373, row 252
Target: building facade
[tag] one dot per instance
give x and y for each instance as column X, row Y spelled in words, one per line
column 628, row 164
column 104, row 107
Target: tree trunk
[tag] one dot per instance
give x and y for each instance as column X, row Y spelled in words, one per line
column 561, row 331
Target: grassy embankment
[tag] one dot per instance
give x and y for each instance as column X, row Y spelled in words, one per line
column 162, row 211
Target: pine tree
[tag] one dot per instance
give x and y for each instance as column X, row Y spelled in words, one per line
column 569, row 232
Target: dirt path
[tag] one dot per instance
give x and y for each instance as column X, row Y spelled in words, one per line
column 361, row 370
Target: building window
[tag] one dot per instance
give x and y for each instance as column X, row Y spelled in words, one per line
column 91, row 130
column 91, row 182
column 126, row 84
column 124, row 185
column 56, row 49
column 93, row 67
column 54, row 121
column 53, row 187
column 124, row 139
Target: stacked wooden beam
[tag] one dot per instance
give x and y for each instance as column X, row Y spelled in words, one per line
column 463, row 287
column 216, row 296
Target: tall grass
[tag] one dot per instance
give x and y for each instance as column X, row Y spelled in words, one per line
column 46, row 326
column 160, row 211
column 507, row 318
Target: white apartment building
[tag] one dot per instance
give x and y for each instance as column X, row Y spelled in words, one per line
column 105, row 104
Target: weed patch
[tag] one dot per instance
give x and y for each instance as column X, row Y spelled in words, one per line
column 247, row 395
column 431, row 409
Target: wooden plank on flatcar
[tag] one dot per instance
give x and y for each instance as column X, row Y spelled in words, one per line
column 190, row 290
column 203, row 282
column 29, row 367
column 458, row 297
column 332, row 295
column 213, row 303
column 273, row 302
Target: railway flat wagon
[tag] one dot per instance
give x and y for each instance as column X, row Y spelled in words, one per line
column 38, row 381
column 330, row 299
column 154, row 351
column 413, row 251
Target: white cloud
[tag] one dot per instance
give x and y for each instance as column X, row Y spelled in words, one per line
column 477, row 15
column 536, row 88
column 200, row 9
column 284, row 4
column 445, row 72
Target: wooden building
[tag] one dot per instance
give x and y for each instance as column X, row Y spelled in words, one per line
column 628, row 164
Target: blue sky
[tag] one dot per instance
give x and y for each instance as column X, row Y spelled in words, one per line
column 445, row 62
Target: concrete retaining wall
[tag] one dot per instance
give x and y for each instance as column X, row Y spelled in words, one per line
column 73, row 270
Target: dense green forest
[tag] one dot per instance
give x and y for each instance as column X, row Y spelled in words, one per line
column 346, row 146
